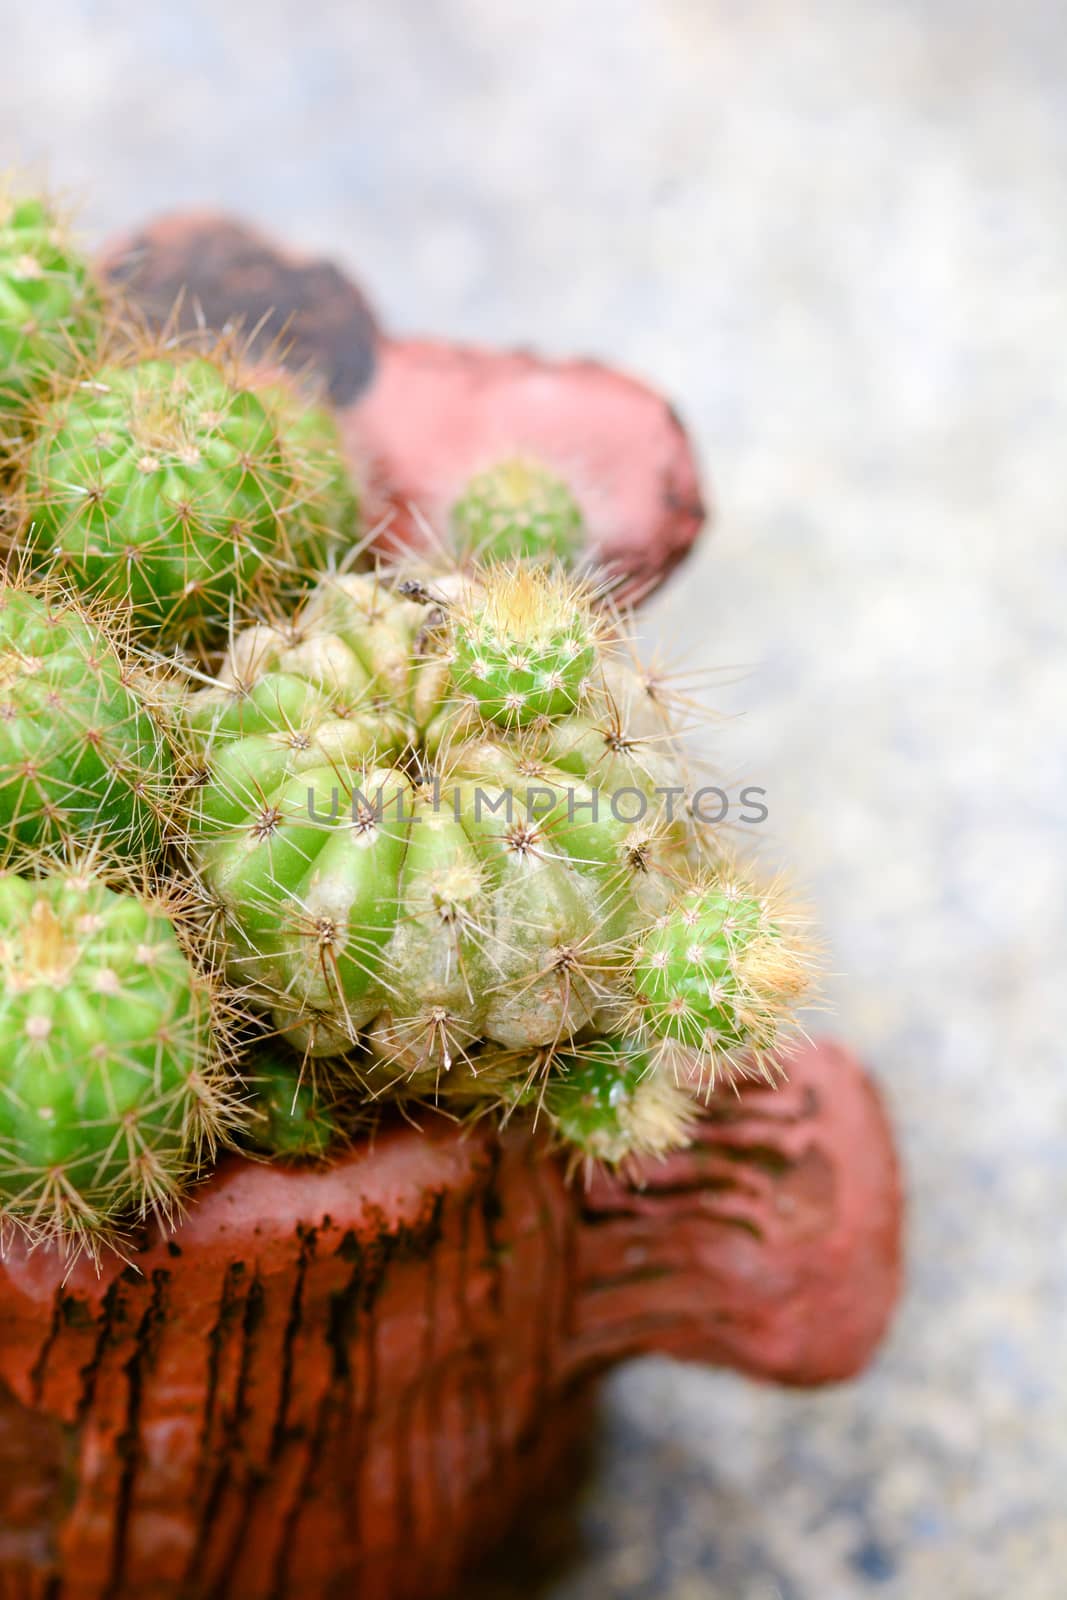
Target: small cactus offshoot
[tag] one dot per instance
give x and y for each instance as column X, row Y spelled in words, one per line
column 286, row 1112
column 609, row 1103
column 524, row 645
column 518, row 510
column 721, row 971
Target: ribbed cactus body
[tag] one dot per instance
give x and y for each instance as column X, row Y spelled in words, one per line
column 160, row 485
column 82, row 759
column 50, row 312
column 109, row 1083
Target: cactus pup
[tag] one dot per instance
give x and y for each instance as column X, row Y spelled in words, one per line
column 518, row 509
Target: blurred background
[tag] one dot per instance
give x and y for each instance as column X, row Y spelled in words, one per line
column 836, row 234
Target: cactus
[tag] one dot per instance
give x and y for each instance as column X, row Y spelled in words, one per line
column 112, row 1090
column 721, row 970
column 515, row 510
column 51, row 316
column 288, row 1116
column 609, row 1102
column 439, row 816
column 524, row 645
column 160, row 484
column 83, row 760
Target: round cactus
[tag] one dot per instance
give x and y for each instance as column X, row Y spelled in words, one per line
column 518, row 510
column 50, row 310
column 161, row 485
column 287, row 1116
column 721, row 970
column 481, row 890
column 83, row 760
column 111, row 1090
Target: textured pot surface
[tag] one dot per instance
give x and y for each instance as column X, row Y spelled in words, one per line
column 422, row 416
column 343, row 1381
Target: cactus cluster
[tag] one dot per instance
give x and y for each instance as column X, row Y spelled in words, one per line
column 431, row 826
column 435, row 822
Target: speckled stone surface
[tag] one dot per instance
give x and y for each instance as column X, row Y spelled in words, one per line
column 836, row 233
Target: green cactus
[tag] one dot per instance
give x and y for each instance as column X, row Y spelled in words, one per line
column 478, row 892
column 111, row 1087
column 721, row 971
column 51, row 317
column 288, row 1116
column 83, row 760
column 160, row 485
column 518, row 510
column 610, row 1102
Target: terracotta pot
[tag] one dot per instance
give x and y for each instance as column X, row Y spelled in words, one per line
column 421, row 416
column 347, row 1381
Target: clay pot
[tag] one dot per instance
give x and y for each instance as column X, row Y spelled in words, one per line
column 347, row 1381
